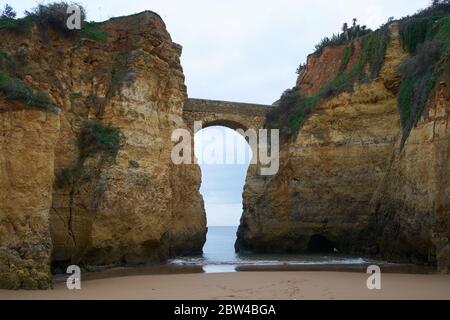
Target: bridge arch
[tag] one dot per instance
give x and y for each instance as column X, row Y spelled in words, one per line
column 233, row 115
column 231, row 124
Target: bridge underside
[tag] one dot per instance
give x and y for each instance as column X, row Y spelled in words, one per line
column 233, row 115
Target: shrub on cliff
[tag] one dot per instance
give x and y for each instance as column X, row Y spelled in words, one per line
column 426, row 36
column 7, row 12
column 426, row 25
column 415, row 31
column 96, row 137
column 278, row 117
column 420, row 72
column 54, row 15
column 8, row 22
column 291, row 112
column 347, row 35
column 436, row 8
column 15, row 89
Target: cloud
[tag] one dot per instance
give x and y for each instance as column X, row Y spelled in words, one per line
column 248, row 50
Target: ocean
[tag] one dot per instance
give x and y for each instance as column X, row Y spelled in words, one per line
column 219, row 255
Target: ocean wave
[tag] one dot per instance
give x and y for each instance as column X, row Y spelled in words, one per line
column 266, row 262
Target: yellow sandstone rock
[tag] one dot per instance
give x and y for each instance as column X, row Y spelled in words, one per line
column 130, row 209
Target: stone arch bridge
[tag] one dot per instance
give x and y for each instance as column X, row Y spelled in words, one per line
column 234, row 115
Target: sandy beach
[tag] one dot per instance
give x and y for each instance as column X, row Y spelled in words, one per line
column 250, row 286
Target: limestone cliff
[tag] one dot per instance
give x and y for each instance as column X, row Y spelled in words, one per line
column 27, row 148
column 411, row 208
column 345, row 182
column 133, row 206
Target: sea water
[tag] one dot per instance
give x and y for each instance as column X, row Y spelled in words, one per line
column 219, row 255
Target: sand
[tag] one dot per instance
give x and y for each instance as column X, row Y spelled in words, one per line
column 250, row 286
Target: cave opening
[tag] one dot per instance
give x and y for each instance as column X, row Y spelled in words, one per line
column 320, row 244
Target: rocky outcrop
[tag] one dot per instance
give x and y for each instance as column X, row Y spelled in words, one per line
column 27, row 150
column 344, row 181
column 412, row 206
column 322, row 68
column 134, row 207
column 327, row 176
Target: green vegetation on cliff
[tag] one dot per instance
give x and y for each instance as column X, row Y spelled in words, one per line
column 15, row 89
column 95, row 138
column 52, row 15
column 348, row 53
column 22, row 25
column 347, row 35
column 8, row 20
column 294, row 106
column 93, row 31
column 426, row 37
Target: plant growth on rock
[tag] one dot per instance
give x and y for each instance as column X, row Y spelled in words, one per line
column 426, row 37
column 294, row 106
column 95, row 138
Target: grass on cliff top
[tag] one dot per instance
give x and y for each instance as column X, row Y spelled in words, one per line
column 21, row 25
column 15, row 89
column 92, row 31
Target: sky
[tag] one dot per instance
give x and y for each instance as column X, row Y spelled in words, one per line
column 222, row 184
column 246, row 51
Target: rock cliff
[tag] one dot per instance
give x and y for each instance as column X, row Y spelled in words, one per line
column 27, row 156
column 346, row 183
column 85, row 142
column 93, row 183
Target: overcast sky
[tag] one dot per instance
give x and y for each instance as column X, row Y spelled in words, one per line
column 244, row 50
column 222, row 184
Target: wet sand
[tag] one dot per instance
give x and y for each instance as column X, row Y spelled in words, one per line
column 250, row 286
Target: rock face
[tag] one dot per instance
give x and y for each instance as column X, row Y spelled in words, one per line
column 412, row 206
column 344, row 181
column 323, row 68
column 136, row 207
column 27, row 149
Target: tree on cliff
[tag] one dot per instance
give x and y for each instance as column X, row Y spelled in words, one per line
column 8, row 13
column 345, row 30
